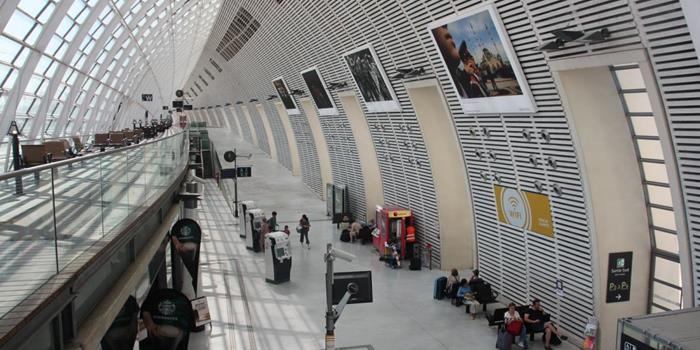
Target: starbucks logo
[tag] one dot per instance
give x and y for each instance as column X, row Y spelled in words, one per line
column 186, row 231
column 515, row 208
column 166, row 307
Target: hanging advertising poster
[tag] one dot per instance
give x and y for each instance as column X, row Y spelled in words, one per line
column 371, row 80
column 319, row 92
column 526, row 210
column 285, row 96
column 483, row 68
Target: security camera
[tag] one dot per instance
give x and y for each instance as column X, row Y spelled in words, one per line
column 337, row 253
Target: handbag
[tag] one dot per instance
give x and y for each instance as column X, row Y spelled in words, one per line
column 514, row 327
column 298, row 228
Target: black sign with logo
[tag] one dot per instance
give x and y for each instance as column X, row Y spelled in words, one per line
column 629, row 343
column 186, row 237
column 619, row 277
column 147, row 97
column 167, row 315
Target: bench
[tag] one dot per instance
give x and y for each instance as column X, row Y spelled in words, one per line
column 33, row 155
column 496, row 319
column 117, row 139
column 59, row 150
column 102, row 141
column 130, row 136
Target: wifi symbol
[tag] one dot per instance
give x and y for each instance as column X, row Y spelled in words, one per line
column 514, row 202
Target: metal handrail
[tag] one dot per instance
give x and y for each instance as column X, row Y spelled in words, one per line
column 35, row 169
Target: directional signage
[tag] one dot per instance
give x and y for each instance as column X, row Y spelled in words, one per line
column 147, row 97
column 619, row 277
column 629, row 343
column 244, row 171
column 241, row 171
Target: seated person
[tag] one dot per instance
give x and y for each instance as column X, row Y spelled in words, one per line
column 395, row 259
column 355, row 228
column 538, row 321
column 475, row 279
column 512, row 319
column 452, row 284
column 463, row 288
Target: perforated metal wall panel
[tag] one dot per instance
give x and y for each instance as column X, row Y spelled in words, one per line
column 281, row 141
column 259, row 128
column 247, row 132
column 310, row 168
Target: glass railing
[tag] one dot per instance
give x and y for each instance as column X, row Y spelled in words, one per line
column 54, row 213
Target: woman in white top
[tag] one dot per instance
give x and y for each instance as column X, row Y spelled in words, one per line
column 514, row 316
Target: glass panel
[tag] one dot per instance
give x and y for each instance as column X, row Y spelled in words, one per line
column 630, row 78
column 650, row 149
column 666, row 296
column 644, row 126
column 114, row 191
column 137, row 179
column 663, row 218
column 655, row 172
column 659, row 195
column 637, row 102
column 19, row 25
column 666, row 241
column 27, row 236
column 78, row 200
column 667, row 271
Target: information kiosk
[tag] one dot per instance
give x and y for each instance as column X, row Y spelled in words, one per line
column 392, row 223
column 278, row 258
column 252, row 238
column 244, row 207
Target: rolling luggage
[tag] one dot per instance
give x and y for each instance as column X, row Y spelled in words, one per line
column 345, row 236
column 415, row 264
column 439, row 288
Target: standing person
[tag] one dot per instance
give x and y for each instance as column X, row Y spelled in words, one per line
column 304, row 227
column 273, row 222
column 452, row 283
column 515, row 326
column 264, row 230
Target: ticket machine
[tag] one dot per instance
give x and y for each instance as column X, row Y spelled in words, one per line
column 391, row 228
column 252, row 239
column 278, row 258
column 244, row 206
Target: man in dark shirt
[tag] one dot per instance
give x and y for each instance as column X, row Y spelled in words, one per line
column 538, row 321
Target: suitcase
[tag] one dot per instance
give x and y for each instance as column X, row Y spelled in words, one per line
column 439, row 288
column 415, row 264
column 345, row 236
column 503, row 339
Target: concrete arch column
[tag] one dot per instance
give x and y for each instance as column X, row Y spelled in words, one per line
column 374, row 193
column 268, row 131
column 253, row 135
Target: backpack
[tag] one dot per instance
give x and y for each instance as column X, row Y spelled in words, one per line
column 484, row 294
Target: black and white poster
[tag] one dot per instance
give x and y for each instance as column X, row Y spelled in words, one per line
column 285, row 96
column 481, row 62
column 371, row 80
column 319, row 92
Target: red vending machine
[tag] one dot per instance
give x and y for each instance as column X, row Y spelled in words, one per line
column 392, row 224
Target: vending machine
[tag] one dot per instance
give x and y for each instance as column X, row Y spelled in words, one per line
column 278, row 259
column 252, row 239
column 392, row 224
column 243, row 210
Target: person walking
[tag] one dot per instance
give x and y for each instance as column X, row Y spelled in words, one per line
column 273, row 222
column 303, row 229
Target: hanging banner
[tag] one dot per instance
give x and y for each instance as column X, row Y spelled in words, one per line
column 186, row 238
column 527, row 210
column 167, row 315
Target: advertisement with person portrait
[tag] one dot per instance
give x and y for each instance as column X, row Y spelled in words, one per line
column 319, row 92
column 285, row 96
column 371, row 80
column 481, row 63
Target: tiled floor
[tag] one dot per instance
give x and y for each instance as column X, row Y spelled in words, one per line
column 249, row 313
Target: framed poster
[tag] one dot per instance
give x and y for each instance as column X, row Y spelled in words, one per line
column 483, row 69
column 371, row 80
column 285, row 96
column 527, row 210
column 319, row 92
